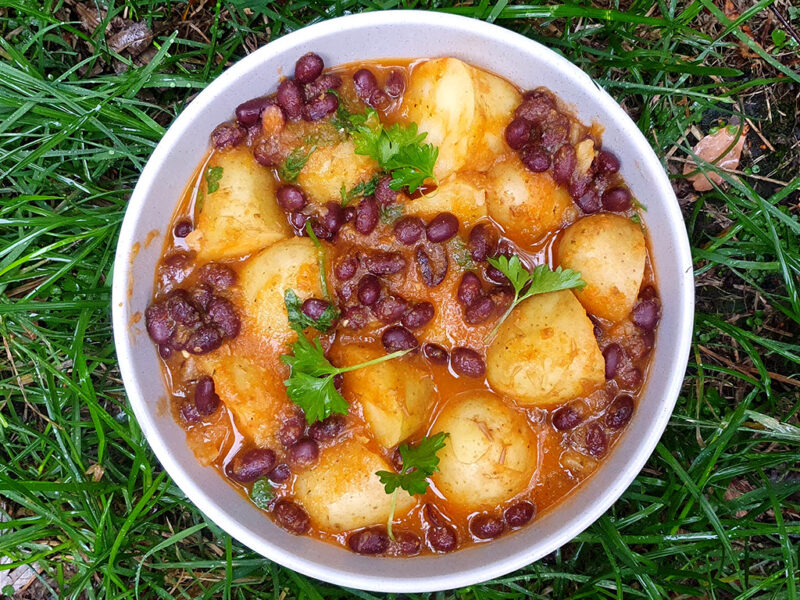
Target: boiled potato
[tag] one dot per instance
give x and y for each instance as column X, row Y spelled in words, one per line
column 395, row 396
column 242, row 215
column 241, row 385
column 609, row 251
column 290, row 264
column 463, row 110
column 584, row 154
column 342, row 492
column 330, row 168
column 463, row 195
column 527, row 204
column 490, row 455
column 545, row 352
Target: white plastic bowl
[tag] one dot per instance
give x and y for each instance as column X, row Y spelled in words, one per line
column 388, row 35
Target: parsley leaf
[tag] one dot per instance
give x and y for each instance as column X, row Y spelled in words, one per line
column 262, row 493
column 398, row 149
column 294, row 163
column 298, row 320
column 321, row 260
column 310, row 384
column 213, row 176
column 529, row 283
column 419, row 463
column 365, row 188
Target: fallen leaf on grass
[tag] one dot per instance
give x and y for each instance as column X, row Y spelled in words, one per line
column 712, row 148
column 134, row 38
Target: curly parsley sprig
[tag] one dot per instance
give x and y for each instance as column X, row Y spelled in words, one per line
column 526, row 283
column 419, row 463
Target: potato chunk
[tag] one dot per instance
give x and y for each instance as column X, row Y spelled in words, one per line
column 463, row 110
column 330, row 168
column 526, row 204
column 342, row 492
column 463, row 195
column 395, row 396
column 545, row 352
column 290, row 264
column 609, row 251
column 242, row 215
column 490, row 455
column 242, row 386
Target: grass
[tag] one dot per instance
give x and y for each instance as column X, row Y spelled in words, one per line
column 716, row 512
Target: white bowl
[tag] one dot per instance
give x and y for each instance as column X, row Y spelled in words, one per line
column 388, row 35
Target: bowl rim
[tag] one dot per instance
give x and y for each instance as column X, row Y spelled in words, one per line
column 216, row 513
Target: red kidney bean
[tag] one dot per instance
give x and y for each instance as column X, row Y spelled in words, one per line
column 536, row 159
column 303, row 452
column 355, row 317
column 620, row 412
column 206, row 398
column 365, row 83
column 291, row 517
column 228, row 135
column 345, row 268
column 502, row 296
column 480, row 310
column 481, row 242
column 486, row 527
column 385, row 263
column 397, row 460
column 441, row 536
column 319, row 229
column 648, row 293
column 435, row 354
column 566, row 418
column 385, row 195
column 379, row 99
column 164, row 351
column 555, row 131
column 298, row 222
column 407, row 543
column 333, row 219
column 203, row 340
column 181, row 309
column 432, row 264
column 308, row 67
column 617, row 199
column 290, row 98
column 517, row 133
column 535, row 107
column 280, row 473
column 589, row 202
column 251, row 465
column 389, row 309
column 398, row 338
column 605, row 163
column 519, row 514
column 322, row 84
column 579, row 186
column 369, row 290
column 313, row 308
column 248, row 113
column 159, row 323
column 467, row 362
column 612, row 355
column 268, row 152
column 596, row 442
column 419, row 316
column 291, row 197
column 409, row 230
column 565, row 160
column 291, row 430
column 645, row 314
column 442, row 227
column 320, row 107
column 338, row 382
column 189, row 412
column 217, row 275
column 327, row 429
column 222, row 314
column 369, row 541
column 469, row 289
column 182, row 228
column 366, row 218
column 495, row 275
column 630, row 378
column 349, row 214
column 395, row 83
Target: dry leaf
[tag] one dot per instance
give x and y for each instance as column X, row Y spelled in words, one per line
column 134, row 38
column 90, row 16
column 737, row 488
column 712, row 149
column 96, row 471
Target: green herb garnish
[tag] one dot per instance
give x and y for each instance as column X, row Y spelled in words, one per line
column 398, row 149
column 419, row 463
column 365, row 188
column 294, row 163
column 262, row 493
column 539, row 281
column 213, row 177
column 299, row 319
column 321, row 260
column 461, row 254
column 391, row 213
